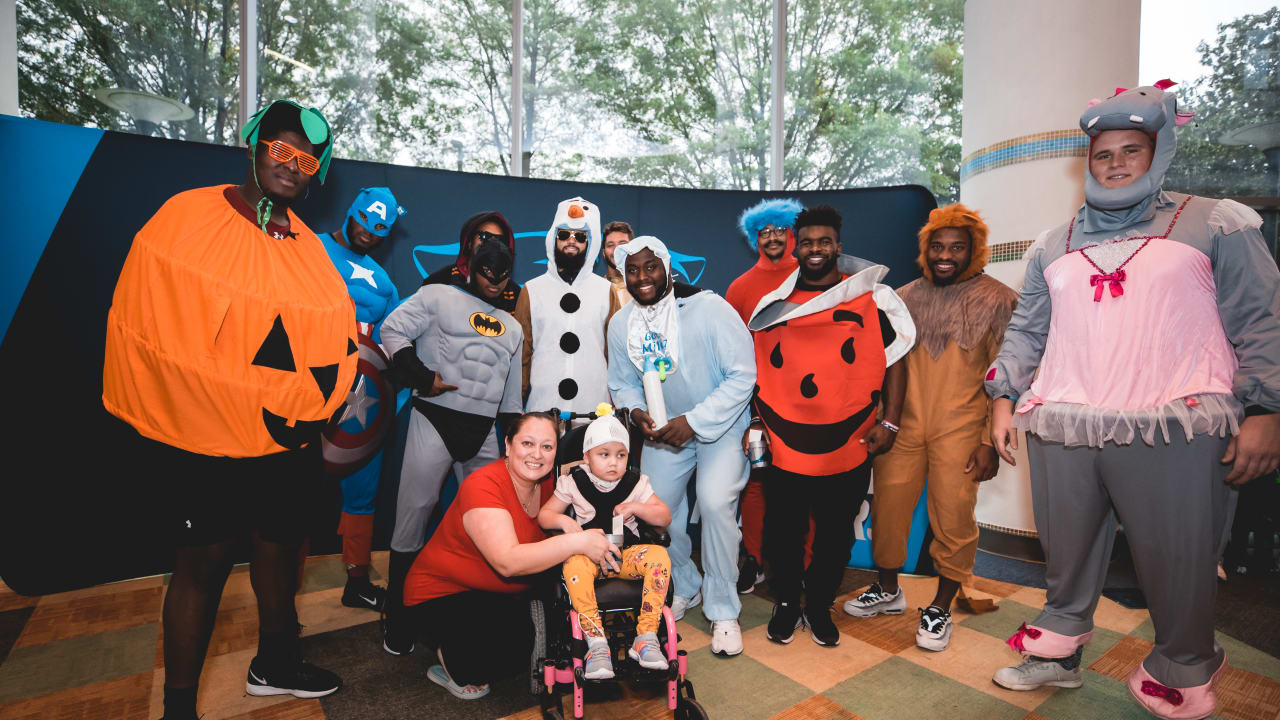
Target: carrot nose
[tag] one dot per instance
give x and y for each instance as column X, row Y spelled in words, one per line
column 575, row 211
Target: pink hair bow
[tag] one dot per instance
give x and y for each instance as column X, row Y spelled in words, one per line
column 1015, row 640
column 1098, row 281
column 1155, row 689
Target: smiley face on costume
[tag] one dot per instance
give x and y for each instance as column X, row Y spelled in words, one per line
column 277, row 353
column 819, row 384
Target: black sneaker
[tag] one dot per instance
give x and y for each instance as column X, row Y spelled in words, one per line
column 360, row 593
column 396, row 640
column 821, row 628
column 302, row 680
column 751, row 574
column 782, row 626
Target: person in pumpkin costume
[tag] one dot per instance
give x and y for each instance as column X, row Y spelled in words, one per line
column 827, row 341
column 766, row 226
column 710, row 371
column 228, row 334
column 960, row 316
column 368, row 223
column 485, row 225
column 460, row 353
column 1144, row 358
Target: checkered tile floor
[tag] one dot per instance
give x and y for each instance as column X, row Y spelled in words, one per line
column 95, row 653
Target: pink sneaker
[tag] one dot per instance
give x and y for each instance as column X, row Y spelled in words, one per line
column 1174, row 703
column 1045, row 643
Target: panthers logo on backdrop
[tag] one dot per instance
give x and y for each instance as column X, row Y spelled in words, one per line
column 487, row 325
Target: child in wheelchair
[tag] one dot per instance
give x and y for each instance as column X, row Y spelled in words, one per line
column 599, row 490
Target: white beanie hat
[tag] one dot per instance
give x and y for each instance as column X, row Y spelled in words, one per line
column 603, row 430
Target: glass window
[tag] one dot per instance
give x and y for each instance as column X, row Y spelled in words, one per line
column 873, row 94
column 1225, row 57
column 649, row 92
column 412, row 83
column 166, row 69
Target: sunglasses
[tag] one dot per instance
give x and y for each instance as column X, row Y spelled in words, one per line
column 578, row 236
column 768, row 230
column 485, row 236
column 283, row 152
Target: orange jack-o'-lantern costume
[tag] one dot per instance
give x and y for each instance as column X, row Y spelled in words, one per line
column 945, row 409
column 821, row 355
column 223, row 340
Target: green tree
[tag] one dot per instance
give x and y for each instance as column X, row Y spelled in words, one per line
column 1242, row 88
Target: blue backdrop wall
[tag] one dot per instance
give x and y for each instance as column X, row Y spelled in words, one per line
column 78, row 496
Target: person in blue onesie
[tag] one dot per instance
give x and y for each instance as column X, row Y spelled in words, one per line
column 368, row 224
column 710, row 375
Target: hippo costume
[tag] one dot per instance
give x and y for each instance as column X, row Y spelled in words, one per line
column 1154, row 320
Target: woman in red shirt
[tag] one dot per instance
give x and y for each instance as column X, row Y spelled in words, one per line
column 466, row 585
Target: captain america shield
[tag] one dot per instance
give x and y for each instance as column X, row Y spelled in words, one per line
column 356, row 432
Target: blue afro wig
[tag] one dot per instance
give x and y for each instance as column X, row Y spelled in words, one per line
column 780, row 212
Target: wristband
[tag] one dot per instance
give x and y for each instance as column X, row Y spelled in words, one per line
column 889, row 426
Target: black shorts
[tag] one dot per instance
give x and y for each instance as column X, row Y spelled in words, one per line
column 206, row 500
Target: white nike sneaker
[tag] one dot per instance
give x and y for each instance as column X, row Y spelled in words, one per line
column 726, row 638
column 680, row 605
column 934, row 632
column 874, row 601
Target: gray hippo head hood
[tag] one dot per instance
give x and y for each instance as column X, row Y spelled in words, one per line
column 1153, row 111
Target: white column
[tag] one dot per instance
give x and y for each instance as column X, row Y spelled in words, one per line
column 248, row 60
column 8, row 57
column 777, row 127
column 516, row 166
column 1030, row 68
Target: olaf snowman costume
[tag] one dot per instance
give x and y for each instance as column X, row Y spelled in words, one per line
column 564, row 322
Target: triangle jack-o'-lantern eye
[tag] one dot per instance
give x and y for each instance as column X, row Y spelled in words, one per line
column 351, row 347
column 275, row 351
column 326, row 377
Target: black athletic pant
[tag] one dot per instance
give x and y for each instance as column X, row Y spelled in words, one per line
column 482, row 636
column 834, row 501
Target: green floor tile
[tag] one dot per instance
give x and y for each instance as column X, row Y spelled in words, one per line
column 897, row 688
column 1099, row 644
column 756, row 611
column 1004, row 622
column 1249, row 658
column 740, row 687
column 64, row 664
column 324, row 574
column 1146, row 631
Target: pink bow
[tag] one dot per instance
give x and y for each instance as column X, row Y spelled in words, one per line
column 1015, row 640
column 1115, row 278
column 1155, row 689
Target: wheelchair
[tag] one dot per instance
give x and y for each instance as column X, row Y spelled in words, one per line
column 559, row 644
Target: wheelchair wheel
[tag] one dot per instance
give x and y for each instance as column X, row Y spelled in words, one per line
column 690, row 710
column 538, row 616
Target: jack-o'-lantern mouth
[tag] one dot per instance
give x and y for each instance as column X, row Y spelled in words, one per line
column 815, row 438
column 301, row 434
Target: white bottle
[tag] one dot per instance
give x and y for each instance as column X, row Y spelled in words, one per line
column 653, row 393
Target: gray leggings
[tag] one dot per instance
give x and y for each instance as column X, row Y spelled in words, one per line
column 1172, row 501
column 426, row 465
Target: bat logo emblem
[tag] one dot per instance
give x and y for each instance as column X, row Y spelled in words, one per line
column 487, row 325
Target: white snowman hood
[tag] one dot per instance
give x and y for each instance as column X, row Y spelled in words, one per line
column 575, row 214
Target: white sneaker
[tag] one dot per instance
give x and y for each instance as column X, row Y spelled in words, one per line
column 934, row 632
column 680, row 605
column 874, row 601
column 1034, row 673
column 726, row 638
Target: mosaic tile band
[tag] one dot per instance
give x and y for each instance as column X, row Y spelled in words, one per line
column 1036, row 146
